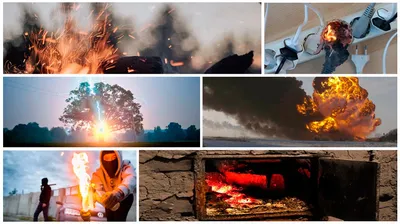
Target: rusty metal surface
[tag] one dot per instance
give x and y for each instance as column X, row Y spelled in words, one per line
column 348, row 189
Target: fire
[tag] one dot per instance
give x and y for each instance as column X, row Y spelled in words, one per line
column 329, row 34
column 236, row 198
column 344, row 105
column 71, row 51
column 80, row 165
column 337, row 31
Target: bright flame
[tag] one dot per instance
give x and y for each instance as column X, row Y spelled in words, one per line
column 236, row 199
column 329, row 34
column 345, row 106
column 70, row 51
column 80, row 165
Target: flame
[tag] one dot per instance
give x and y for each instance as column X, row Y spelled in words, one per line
column 80, row 165
column 236, row 199
column 70, row 51
column 345, row 106
column 329, row 34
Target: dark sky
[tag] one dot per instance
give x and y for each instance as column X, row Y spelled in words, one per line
column 25, row 169
column 42, row 100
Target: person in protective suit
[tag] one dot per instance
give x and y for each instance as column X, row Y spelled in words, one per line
column 44, row 200
column 114, row 183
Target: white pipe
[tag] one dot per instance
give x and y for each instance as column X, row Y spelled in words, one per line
column 385, row 52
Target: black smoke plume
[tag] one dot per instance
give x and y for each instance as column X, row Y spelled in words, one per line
column 265, row 106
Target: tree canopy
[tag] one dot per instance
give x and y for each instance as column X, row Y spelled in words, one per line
column 115, row 106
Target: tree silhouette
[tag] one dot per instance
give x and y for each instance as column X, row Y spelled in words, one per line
column 192, row 133
column 175, row 132
column 58, row 134
column 111, row 104
column 13, row 192
column 173, row 41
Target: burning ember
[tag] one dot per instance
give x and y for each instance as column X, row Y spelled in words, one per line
column 337, row 31
column 71, row 51
column 234, row 197
column 344, row 105
column 80, row 165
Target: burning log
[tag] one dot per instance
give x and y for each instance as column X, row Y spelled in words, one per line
column 337, row 37
column 136, row 65
column 246, row 179
column 234, row 64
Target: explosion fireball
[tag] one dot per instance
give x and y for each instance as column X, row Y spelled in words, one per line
column 344, row 105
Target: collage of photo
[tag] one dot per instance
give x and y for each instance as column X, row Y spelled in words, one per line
column 199, row 111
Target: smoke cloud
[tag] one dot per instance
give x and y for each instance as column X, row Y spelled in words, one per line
column 265, row 106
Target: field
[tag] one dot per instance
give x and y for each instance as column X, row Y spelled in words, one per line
column 108, row 144
column 234, row 142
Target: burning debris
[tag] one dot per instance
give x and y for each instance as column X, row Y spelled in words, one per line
column 233, row 191
column 338, row 110
column 69, row 50
column 336, row 37
column 344, row 105
column 165, row 45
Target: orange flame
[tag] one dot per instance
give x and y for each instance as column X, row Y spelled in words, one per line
column 345, row 107
column 329, row 34
column 70, row 51
column 236, row 199
column 80, row 165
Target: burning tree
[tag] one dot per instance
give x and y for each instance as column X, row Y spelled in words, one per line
column 102, row 109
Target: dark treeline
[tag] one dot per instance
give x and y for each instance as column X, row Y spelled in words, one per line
column 33, row 133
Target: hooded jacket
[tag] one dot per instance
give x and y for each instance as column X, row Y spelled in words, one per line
column 45, row 193
column 124, row 178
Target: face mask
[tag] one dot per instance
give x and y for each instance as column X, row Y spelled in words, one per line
column 111, row 167
column 45, row 181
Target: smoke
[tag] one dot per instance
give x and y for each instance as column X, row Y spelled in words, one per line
column 265, row 106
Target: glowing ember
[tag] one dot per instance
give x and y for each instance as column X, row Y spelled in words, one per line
column 236, row 199
column 70, row 51
column 345, row 106
column 80, row 165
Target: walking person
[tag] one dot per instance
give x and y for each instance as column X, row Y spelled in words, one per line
column 44, row 200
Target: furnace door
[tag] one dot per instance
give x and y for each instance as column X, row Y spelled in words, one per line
column 348, row 189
